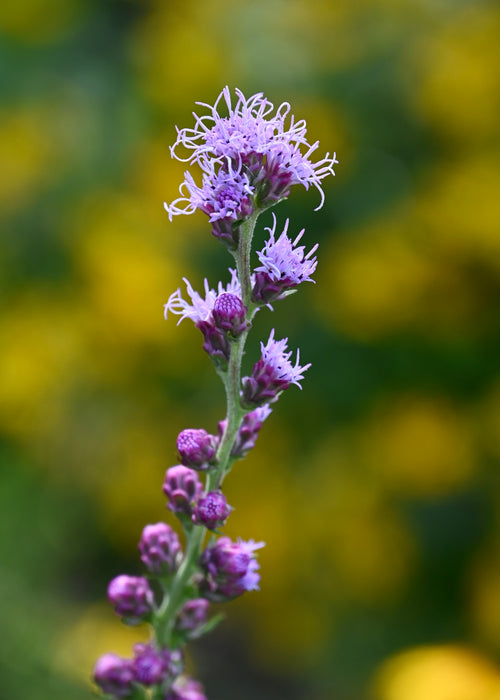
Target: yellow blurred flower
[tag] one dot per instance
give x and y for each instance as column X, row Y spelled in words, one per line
column 38, row 21
column 26, row 152
column 445, row 672
column 419, row 446
column 458, row 86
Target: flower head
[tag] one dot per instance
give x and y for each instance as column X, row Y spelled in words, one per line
column 114, row 675
column 272, row 374
column 153, row 666
column 251, row 138
column 182, row 488
column 196, row 448
column 230, row 569
column 160, row 549
column 131, row 597
column 200, row 309
column 185, row 688
column 212, row 510
column 284, row 265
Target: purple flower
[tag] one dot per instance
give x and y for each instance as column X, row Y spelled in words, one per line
column 212, row 510
column 249, row 430
column 200, row 311
column 196, row 448
column 268, row 145
column 230, row 569
column 186, row 688
column 192, row 615
column 182, row 488
column 131, row 597
column 224, row 195
column 114, row 675
column 229, row 314
column 272, row 374
column 153, row 666
column 284, row 266
column 160, row 549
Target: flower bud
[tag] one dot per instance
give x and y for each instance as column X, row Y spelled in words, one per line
column 229, row 314
column 154, row 666
column 230, row 569
column 160, row 549
column 186, row 688
column 182, row 488
column 212, row 510
column 131, row 597
column 192, row 615
column 196, row 448
column 114, row 675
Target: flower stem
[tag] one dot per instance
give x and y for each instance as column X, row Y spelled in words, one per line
column 165, row 616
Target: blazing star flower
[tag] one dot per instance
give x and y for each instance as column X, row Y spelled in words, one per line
column 224, row 194
column 200, row 308
column 230, row 569
column 284, row 266
column 268, row 146
column 272, row 374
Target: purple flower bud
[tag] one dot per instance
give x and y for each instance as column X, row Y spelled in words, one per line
column 154, row 666
column 272, row 374
column 131, row 597
column 114, row 675
column 196, row 448
column 227, row 232
column 192, row 615
column 216, row 344
column 212, row 510
column 229, row 314
column 149, row 665
column 230, row 569
column 182, row 488
column 249, row 430
column 186, row 688
column 160, row 549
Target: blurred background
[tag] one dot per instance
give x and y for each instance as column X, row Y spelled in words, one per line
column 376, row 488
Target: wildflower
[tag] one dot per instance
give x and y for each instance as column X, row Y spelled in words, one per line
column 284, row 266
column 196, row 448
column 200, row 311
column 265, row 144
column 229, row 314
column 131, row 597
column 153, row 666
column 272, row 374
column 186, row 688
column 230, row 569
column 212, row 510
column 183, row 489
column 160, row 549
column 192, row 615
column 114, row 675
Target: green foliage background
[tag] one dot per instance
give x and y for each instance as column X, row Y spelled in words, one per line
column 376, row 487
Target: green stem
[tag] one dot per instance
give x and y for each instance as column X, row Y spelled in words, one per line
column 165, row 616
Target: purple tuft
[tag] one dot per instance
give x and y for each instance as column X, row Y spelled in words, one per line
column 230, row 569
column 114, row 675
column 186, row 688
column 229, row 314
column 272, row 374
column 131, row 597
column 182, row 488
column 212, row 510
column 192, row 615
column 160, row 549
column 196, row 448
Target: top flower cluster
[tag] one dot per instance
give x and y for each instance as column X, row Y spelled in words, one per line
column 249, row 158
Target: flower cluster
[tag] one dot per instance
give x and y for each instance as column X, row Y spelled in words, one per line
column 250, row 155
